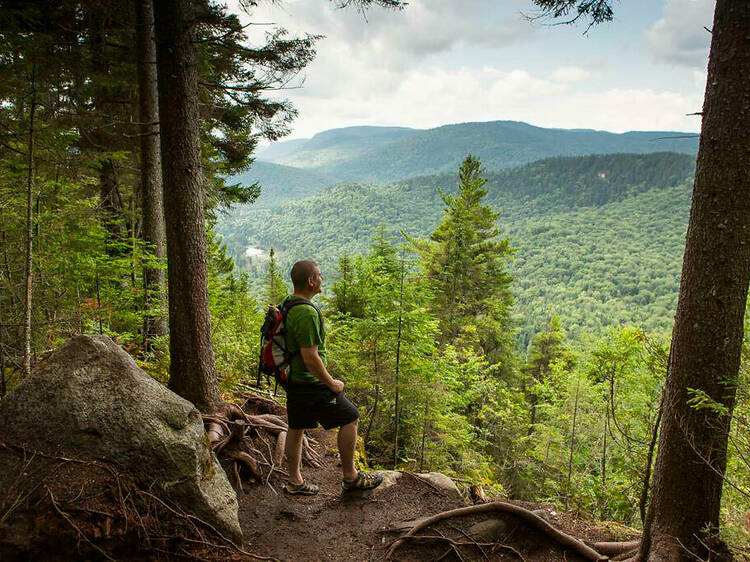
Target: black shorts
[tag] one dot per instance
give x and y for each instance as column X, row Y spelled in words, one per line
column 310, row 404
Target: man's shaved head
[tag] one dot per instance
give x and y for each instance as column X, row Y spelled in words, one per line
column 301, row 272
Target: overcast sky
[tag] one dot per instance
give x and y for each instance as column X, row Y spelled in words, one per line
column 452, row 61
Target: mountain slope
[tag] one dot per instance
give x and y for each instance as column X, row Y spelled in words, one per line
column 337, row 145
column 386, row 154
column 599, row 239
column 281, row 183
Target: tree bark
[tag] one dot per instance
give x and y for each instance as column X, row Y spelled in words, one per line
column 110, row 202
column 29, row 231
column 708, row 330
column 192, row 373
column 152, row 202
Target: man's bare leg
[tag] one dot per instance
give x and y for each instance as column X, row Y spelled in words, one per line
column 347, row 441
column 293, row 451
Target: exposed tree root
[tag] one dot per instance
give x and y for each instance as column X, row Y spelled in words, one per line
column 529, row 517
column 253, row 444
column 616, row 548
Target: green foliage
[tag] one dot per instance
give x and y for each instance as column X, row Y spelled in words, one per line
column 597, row 409
column 385, row 154
column 465, row 264
column 276, row 287
column 597, row 252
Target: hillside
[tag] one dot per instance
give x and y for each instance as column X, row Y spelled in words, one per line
column 282, row 183
column 387, row 154
column 333, row 146
column 598, row 239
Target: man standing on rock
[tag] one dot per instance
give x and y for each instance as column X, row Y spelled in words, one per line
column 313, row 395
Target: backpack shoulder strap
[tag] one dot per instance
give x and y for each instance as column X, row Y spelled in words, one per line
column 286, row 306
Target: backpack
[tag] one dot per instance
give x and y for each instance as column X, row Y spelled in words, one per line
column 275, row 359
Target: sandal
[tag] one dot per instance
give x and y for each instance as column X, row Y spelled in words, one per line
column 304, row 489
column 364, row 481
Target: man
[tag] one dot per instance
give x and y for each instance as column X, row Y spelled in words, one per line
column 313, row 395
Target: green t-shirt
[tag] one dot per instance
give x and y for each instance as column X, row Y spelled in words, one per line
column 303, row 330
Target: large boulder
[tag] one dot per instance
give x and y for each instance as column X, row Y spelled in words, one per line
column 90, row 400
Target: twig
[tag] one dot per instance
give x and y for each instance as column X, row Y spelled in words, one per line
column 423, row 481
column 70, row 522
column 465, row 534
column 191, row 518
column 454, row 546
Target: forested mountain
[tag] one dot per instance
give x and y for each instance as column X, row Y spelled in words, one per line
column 335, row 145
column 386, row 154
column 281, row 183
column 598, row 238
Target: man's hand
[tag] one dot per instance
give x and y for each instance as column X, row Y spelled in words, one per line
column 337, row 386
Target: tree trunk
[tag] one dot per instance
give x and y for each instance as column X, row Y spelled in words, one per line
column 110, row 201
column 191, row 370
column 151, row 187
column 111, row 206
column 29, row 231
column 396, row 409
column 571, row 448
column 708, row 330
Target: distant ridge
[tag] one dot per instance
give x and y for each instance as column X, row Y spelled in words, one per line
column 386, row 154
column 598, row 238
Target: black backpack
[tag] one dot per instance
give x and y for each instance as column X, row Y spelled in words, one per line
column 275, row 359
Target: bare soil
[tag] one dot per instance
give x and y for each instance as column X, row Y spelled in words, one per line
column 336, row 525
column 55, row 508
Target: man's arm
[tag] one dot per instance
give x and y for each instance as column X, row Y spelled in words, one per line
column 314, row 364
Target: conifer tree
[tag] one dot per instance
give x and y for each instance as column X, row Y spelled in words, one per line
column 276, row 288
column 545, row 349
column 466, row 264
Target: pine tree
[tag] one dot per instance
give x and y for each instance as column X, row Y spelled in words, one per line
column 276, row 289
column 466, row 264
column 545, row 349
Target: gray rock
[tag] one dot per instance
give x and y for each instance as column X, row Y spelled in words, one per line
column 490, row 530
column 443, row 482
column 90, row 399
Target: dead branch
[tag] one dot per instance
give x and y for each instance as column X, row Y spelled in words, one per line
column 529, row 517
column 70, row 522
column 423, row 481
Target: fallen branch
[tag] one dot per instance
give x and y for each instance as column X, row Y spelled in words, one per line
column 423, row 481
column 529, row 517
column 69, row 520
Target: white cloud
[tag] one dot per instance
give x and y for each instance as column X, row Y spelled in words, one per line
column 570, row 74
column 445, row 61
column 424, row 100
column 679, row 36
column 423, row 28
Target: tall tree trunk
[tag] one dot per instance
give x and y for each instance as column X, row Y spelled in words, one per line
column 111, row 205
column 152, row 202
column 603, row 466
column 571, row 447
column 191, row 371
column 646, row 483
column 29, row 230
column 424, row 437
column 396, row 405
column 708, row 330
column 377, row 394
column 110, row 202
column 3, row 388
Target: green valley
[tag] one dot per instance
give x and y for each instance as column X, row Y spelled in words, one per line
column 598, row 239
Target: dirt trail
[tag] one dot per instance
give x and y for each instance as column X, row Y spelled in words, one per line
column 354, row 526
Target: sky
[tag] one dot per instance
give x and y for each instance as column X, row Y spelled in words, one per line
column 451, row 61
